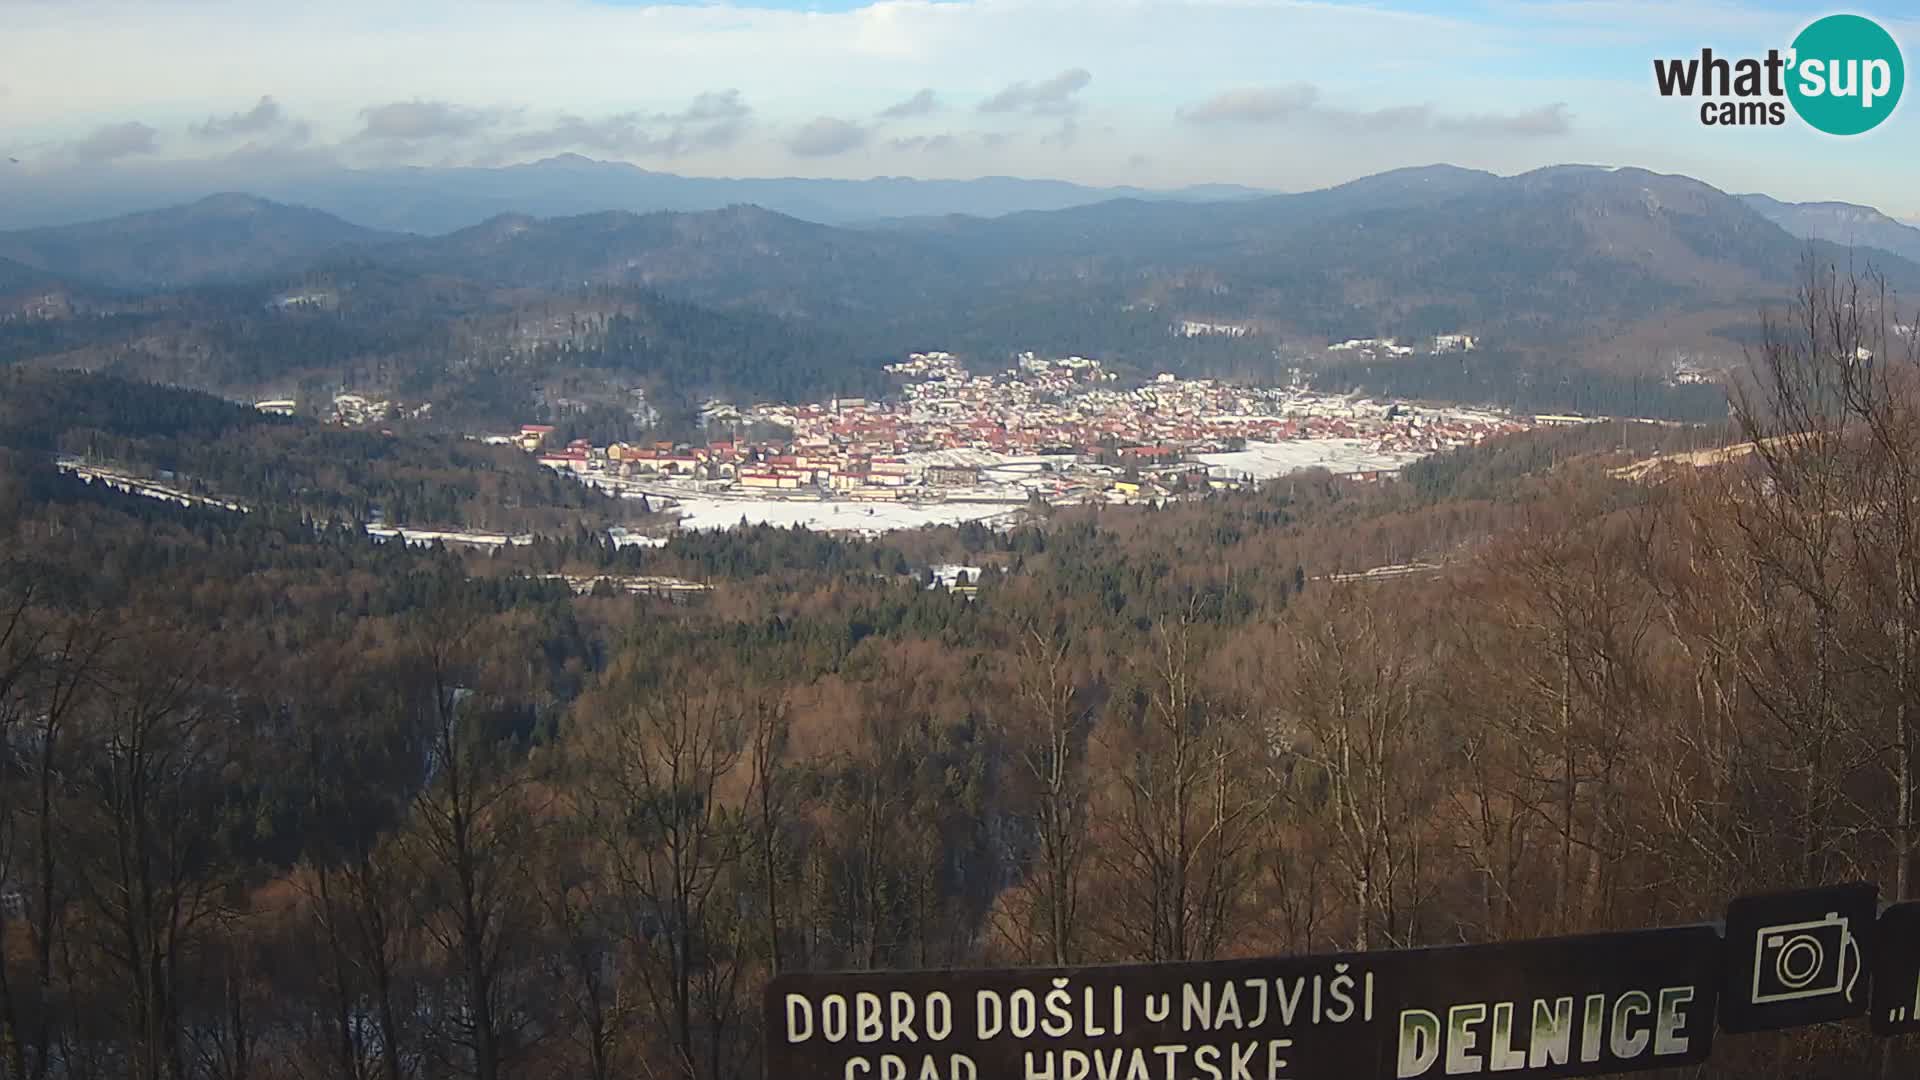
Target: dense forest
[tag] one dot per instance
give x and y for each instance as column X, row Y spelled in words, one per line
column 489, row 359
column 208, row 447
column 1525, row 385
column 558, row 320
column 484, row 356
column 283, row 802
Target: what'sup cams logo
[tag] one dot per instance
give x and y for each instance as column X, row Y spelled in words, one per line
column 1843, row 75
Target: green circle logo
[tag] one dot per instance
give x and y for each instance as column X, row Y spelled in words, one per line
column 1846, row 74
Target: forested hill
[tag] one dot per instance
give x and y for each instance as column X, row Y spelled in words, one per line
column 38, row 408
column 1550, row 254
column 1571, row 266
column 207, row 447
column 220, row 238
column 18, row 277
column 877, row 774
column 1555, row 255
column 739, row 256
column 1841, row 223
column 485, row 356
column 1567, row 255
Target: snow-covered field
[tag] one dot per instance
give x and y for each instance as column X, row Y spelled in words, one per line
column 622, row 538
column 983, row 459
column 711, row 513
column 1267, row 460
column 136, row 486
column 426, row 537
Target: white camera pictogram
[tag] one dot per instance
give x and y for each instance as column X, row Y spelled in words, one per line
column 1796, row 961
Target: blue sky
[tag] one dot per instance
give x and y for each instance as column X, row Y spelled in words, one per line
column 1283, row 94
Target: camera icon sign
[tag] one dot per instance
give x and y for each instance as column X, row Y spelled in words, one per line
column 1799, row 957
column 1801, row 960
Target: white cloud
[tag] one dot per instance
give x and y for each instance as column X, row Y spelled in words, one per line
column 111, row 142
column 1253, row 105
column 714, row 119
column 711, row 107
column 1047, row 97
column 923, row 143
column 582, row 58
column 415, row 121
column 599, row 77
column 920, row 104
column 826, row 136
column 265, row 116
column 1303, row 101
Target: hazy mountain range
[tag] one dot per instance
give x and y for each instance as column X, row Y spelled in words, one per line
column 435, row 201
column 438, row 200
column 1847, row 224
column 220, row 237
column 230, row 235
column 1570, row 266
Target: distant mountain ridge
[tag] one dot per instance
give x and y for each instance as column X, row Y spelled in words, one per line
column 1846, row 224
column 443, row 199
column 1566, row 251
column 1611, row 265
column 224, row 237
column 481, row 354
column 15, row 276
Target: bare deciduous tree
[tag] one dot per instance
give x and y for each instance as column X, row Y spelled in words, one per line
column 1351, row 709
column 1046, row 728
column 654, row 775
column 1180, row 815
